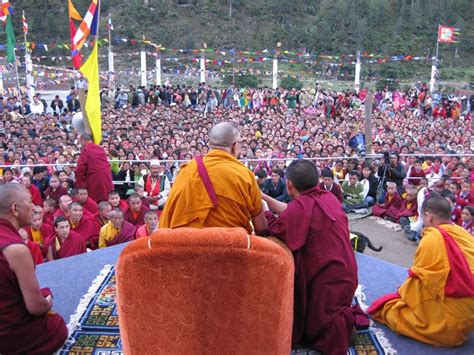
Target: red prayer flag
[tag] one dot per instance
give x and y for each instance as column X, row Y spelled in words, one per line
column 446, row 34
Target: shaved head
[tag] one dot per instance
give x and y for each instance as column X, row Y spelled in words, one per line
column 223, row 135
column 11, row 193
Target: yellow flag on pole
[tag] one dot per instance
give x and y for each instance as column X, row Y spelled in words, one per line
column 90, row 70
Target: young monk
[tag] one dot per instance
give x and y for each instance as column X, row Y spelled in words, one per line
column 116, row 202
column 466, row 196
column 38, row 231
column 49, row 208
column 35, row 249
column 82, row 196
column 467, row 217
column 135, row 214
column 392, row 204
column 435, row 304
column 151, row 224
column 55, row 189
column 26, row 325
column 409, row 207
column 64, row 242
column 315, row 229
column 82, row 225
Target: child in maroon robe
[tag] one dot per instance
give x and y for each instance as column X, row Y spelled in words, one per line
column 135, row 214
column 392, row 204
column 467, row 217
column 466, row 196
column 49, row 208
column 116, row 202
column 416, row 173
column 409, row 207
column 455, row 211
column 315, row 229
column 55, row 189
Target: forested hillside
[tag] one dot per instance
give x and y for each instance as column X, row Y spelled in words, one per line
column 332, row 27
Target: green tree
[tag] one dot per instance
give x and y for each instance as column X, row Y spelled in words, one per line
column 290, row 82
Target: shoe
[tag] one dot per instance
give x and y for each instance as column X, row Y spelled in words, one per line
column 361, row 211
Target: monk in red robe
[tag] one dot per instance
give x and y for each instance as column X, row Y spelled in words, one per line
column 34, row 191
column 466, row 196
column 63, row 210
column 116, row 202
column 135, row 214
column 93, row 170
column 38, row 232
column 101, row 218
column 64, row 242
column 117, row 231
column 392, row 204
column 55, row 189
column 86, row 202
column 81, row 224
column 151, row 223
column 35, row 249
column 26, row 324
column 49, row 208
column 315, row 229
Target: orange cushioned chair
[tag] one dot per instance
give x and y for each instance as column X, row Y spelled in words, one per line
column 205, row 291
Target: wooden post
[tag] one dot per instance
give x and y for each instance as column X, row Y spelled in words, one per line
column 368, row 122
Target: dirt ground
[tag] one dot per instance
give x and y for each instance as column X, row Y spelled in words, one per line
column 396, row 248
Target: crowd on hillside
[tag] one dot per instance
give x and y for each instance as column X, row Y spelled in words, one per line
column 171, row 124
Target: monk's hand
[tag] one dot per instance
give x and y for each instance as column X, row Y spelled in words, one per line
column 265, row 206
column 49, row 299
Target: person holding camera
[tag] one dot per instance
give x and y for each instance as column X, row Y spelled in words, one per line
column 391, row 170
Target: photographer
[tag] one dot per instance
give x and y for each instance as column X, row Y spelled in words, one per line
column 390, row 170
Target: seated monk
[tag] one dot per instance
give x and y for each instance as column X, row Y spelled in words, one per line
column 151, row 223
column 82, row 196
column 34, row 191
column 35, row 249
column 101, row 218
column 117, row 231
column 217, row 190
column 82, row 225
column 49, row 208
column 435, row 304
column 455, row 211
column 392, row 204
column 64, row 242
column 26, row 324
column 408, row 208
column 140, row 191
column 38, row 231
column 63, row 210
column 315, row 228
column 55, row 189
column 135, row 214
column 466, row 196
column 116, row 202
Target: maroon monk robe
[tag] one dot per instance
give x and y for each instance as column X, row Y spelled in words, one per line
column 122, row 206
column 392, row 207
column 93, row 172
column 99, row 223
column 127, row 234
column 48, row 218
column 35, row 196
column 86, row 228
column 60, row 213
column 73, row 245
column 46, row 230
column 408, row 209
column 335, row 190
column 36, row 252
column 138, row 219
column 56, row 194
column 463, row 201
column 315, row 229
column 91, row 206
column 20, row 331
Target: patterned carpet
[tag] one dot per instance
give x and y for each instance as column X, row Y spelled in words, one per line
column 94, row 329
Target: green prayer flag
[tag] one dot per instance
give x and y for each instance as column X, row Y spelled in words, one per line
column 10, row 41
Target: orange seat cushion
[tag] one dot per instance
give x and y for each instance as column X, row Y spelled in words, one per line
column 205, row 291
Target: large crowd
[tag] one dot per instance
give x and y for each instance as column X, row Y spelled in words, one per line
column 301, row 153
column 425, row 138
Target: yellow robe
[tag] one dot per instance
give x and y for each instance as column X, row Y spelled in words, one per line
column 422, row 311
column 107, row 233
column 237, row 191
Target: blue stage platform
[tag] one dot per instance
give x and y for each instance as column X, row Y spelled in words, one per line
column 69, row 279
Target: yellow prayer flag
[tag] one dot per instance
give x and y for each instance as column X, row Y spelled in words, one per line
column 90, row 69
column 73, row 12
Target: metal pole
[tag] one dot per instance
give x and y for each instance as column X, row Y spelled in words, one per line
column 369, row 99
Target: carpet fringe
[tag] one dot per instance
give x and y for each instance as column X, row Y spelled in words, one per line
column 75, row 318
column 383, row 340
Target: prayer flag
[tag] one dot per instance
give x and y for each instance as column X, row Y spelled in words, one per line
column 110, row 25
column 4, row 10
column 74, row 15
column 25, row 23
column 85, row 27
column 10, row 41
column 446, row 34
